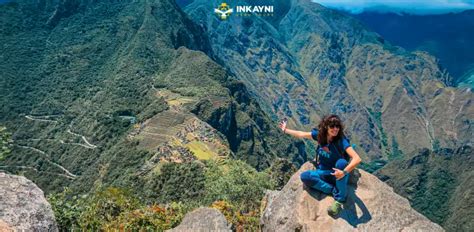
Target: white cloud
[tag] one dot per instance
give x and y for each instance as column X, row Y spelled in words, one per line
column 409, row 6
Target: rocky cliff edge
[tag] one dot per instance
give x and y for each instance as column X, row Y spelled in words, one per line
column 371, row 206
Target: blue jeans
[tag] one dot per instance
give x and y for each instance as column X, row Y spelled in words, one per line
column 323, row 181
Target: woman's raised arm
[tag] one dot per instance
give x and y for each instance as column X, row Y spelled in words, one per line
column 295, row 133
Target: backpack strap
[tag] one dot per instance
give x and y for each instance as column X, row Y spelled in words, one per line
column 316, row 159
column 340, row 149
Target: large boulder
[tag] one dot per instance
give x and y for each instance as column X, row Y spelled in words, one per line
column 23, row 206
column 371, row 206
column 203, row 220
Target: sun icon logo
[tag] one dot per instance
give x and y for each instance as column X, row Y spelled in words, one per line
column 223, row 11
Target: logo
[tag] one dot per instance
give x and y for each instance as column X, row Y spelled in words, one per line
column 322, row 152
column 223, row 11
column 255, row 9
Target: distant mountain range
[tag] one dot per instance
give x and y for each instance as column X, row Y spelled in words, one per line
column 446, row 36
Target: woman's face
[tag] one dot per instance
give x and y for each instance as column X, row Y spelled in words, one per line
column 333, row 131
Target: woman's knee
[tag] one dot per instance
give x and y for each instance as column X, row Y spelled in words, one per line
column 341, row 164
column 308, row 179
column 305, row 176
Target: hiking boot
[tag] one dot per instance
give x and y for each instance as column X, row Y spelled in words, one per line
column 335, row 208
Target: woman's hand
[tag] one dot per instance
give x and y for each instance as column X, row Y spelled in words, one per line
column 294, row 133
column 283, row 126
column 337, row 173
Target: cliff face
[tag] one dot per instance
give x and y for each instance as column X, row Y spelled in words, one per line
column 23, row 206
column 309, row 61
column 371, row 206
column 437, row 184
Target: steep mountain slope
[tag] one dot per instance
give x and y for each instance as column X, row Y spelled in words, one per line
column 467, row 80
column 312, row 61
column 438, row 184
column 81, row 78
column 445, row 36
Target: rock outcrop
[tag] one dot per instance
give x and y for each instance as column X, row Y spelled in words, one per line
column 201, row 220
column 23, row 206
column 371, row 206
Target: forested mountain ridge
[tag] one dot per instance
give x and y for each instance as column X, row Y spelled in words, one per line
column 83, row 80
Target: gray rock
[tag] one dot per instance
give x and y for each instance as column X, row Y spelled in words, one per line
column 23, row 206
column 203, row 220
column 267, row 200
column 371, row 206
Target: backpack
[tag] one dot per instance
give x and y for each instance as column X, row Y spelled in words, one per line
column 354, row 175
column 341, row 152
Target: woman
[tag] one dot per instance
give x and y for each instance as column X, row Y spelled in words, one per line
column 333, row 168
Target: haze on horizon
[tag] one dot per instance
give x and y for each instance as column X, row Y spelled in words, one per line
column 418, row 7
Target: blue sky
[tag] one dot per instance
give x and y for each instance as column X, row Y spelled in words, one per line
column 408, row 6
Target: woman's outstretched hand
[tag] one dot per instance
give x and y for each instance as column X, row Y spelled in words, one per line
column 282, row 125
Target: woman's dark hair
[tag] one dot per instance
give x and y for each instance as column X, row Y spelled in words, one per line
column 330, row 120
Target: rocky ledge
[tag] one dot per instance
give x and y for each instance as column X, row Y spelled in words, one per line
column 371, row 206
column 23, row 206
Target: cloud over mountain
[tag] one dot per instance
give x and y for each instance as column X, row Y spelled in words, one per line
column 413, row 7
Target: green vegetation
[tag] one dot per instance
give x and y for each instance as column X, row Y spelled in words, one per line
column 373, row 165
column 78, row 81
column 5, row 143
column 240, row 220
column 204, row 182
column 436, row 184
column 232, row 187
column 280, row 172
column 112, row 209
column 383, row 136
column 177, row 182
column 236, row 182
column 201, row 151
column 95, row 71
column 396, row 152
column 436, row 145
column 433, row 194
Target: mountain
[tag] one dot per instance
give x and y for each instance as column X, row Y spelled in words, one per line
column 445, row 36
column 309, row 61
column 437, row 183
column 103, row 93
column 140, row 95
column 467, row 79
